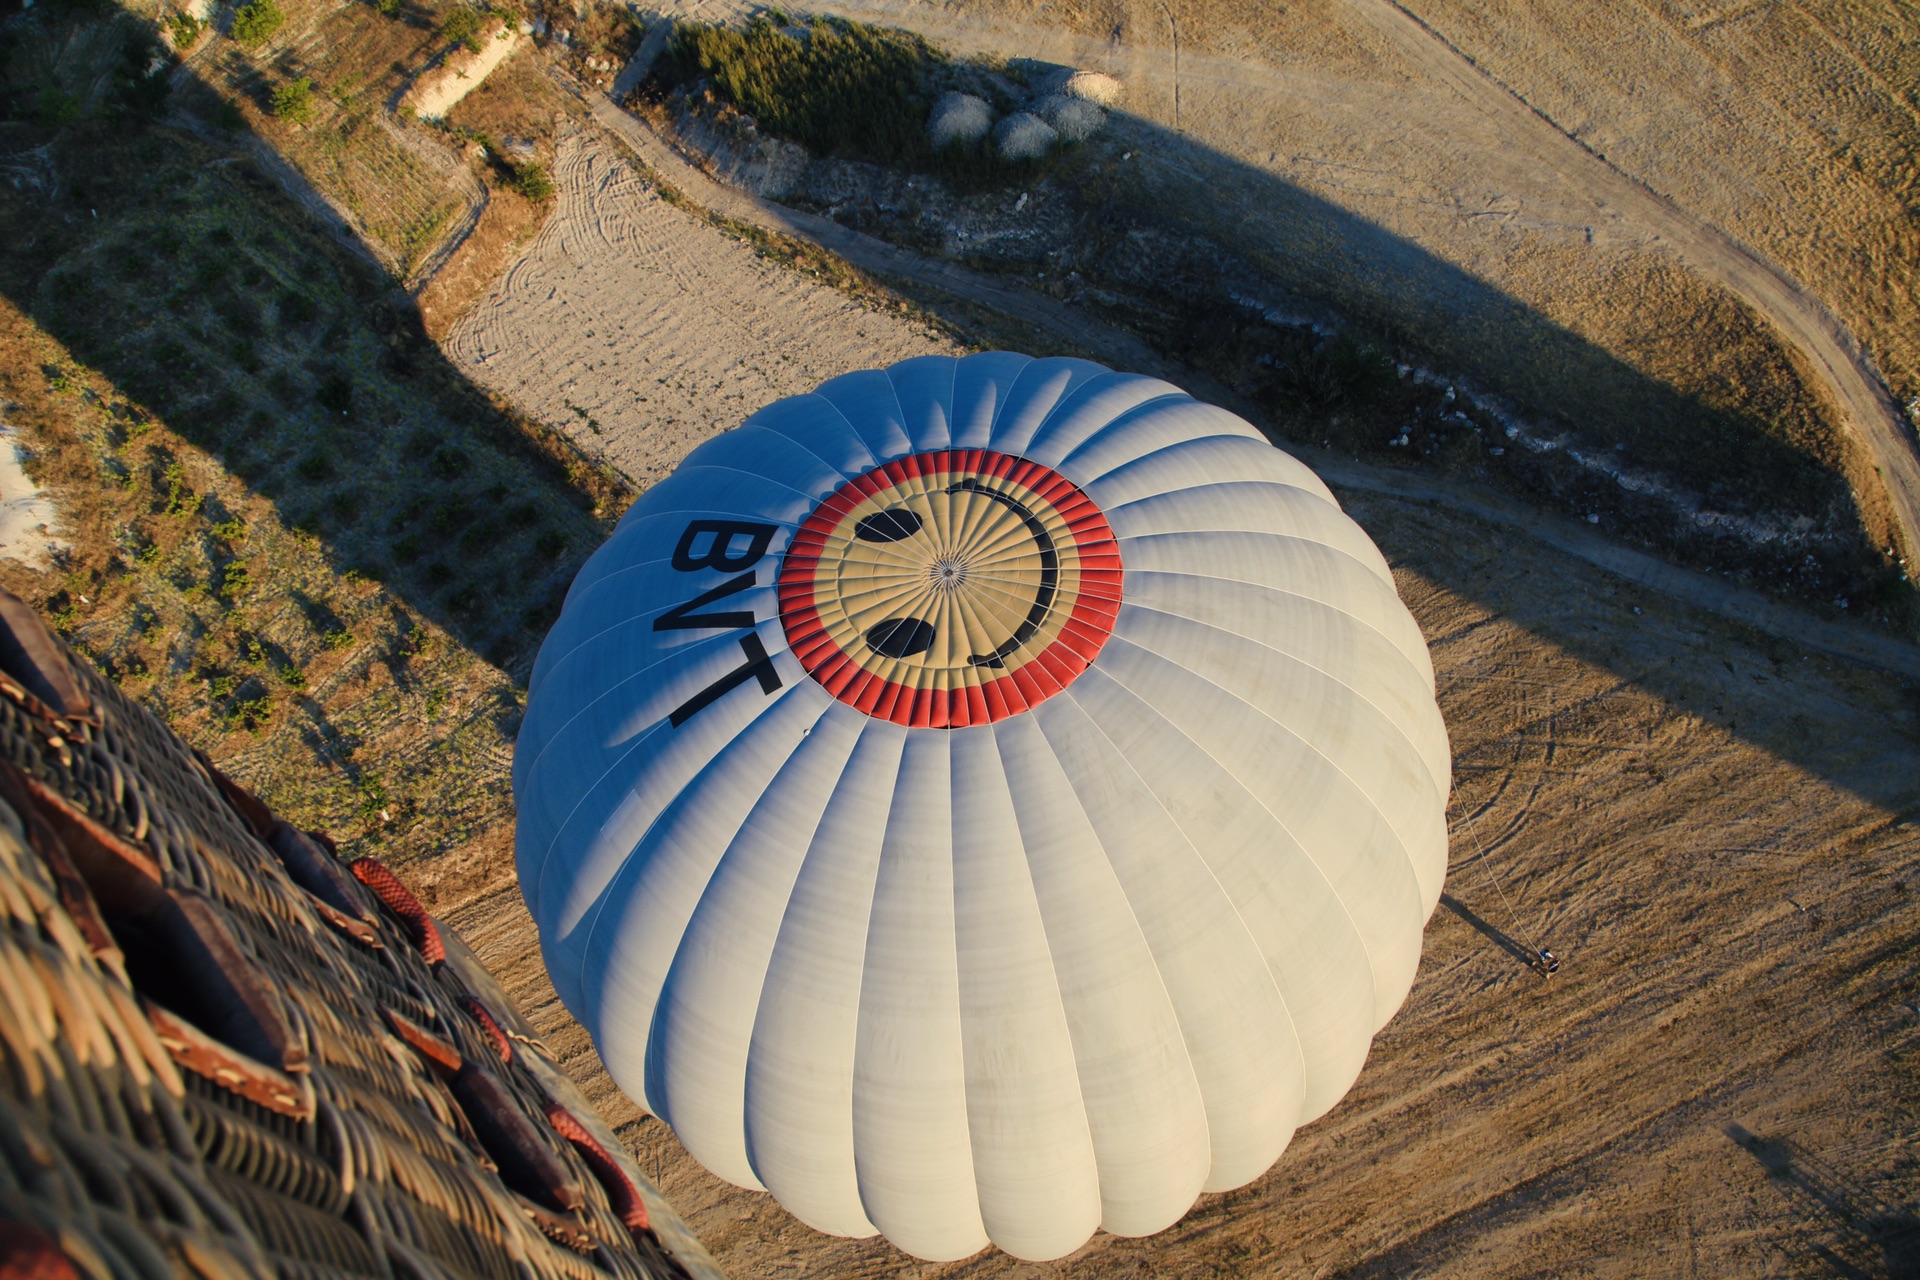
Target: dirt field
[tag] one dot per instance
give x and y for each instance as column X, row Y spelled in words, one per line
column 643, row 330
column 1718, row 833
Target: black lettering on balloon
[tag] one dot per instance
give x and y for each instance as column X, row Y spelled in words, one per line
column 900, row 637
column 758, row 666
column 683, row 618
column 720, row 553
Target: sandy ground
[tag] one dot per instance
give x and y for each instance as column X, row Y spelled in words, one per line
column 1718, row 832
column 29, row 522
column 642, row 330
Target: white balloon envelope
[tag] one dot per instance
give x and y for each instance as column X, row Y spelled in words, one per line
column 984, row 800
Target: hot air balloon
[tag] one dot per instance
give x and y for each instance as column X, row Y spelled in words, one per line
column 983, row 801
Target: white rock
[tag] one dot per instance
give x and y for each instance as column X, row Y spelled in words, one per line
column 1024, row 136
column 1076, row 119
column 1093, row 86
column 959, row 117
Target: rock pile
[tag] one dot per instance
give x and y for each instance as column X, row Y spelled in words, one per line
column 959, row 118
column 1067, row 111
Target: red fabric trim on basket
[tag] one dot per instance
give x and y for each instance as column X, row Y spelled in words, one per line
column 386, row 886
column 478, row 1012
column 28, row 1253
column 621, row 1193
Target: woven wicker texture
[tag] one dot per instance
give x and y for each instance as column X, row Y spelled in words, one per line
column 223, row 1053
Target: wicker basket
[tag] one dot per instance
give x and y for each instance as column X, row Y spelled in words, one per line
column 224, row 1053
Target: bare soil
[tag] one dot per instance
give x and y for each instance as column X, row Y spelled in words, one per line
column 642, row 330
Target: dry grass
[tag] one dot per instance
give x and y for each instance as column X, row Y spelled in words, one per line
column 506, row 225
column 520, row 101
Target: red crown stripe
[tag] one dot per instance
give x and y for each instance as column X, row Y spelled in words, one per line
column 860, row 688
column 868, row 695
column 994, row 695
column 1049, row 666
column 815, row 649
column 837, row 673
column 888, row 705
column 1031, row 691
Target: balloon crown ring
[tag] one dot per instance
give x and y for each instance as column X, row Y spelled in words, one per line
column 950, row 588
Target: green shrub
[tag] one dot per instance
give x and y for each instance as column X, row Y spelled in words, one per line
column 293, row 101
column 56, row 108
column 466, row 25
column 182, row 501
column 845, row 89
column 185, row 29
column 235, row 581
column 531, row 181
column 335, row 393
column 296, row 307
column 257, row 21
